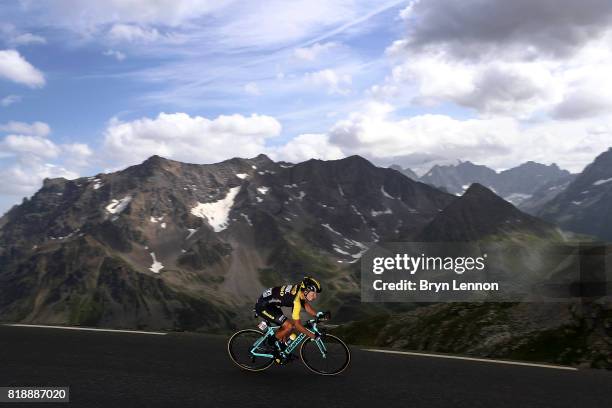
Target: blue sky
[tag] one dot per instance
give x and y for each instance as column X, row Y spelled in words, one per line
column 96, row 86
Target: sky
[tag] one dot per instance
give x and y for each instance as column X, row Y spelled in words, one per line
column 95, row 86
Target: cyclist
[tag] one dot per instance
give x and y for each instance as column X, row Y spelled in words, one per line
column 297, row 296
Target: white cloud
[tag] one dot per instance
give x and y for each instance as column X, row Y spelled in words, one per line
column 15, row 68
column 40, row 129
column 9, row 100
column 26, row 145
column 334, row 82
column 499, row 142
column 374, row 133
column 276, row 22
column 314, row 51
column 132, row 33
column 15, row 38
column 407, row 12
column 223, row 23
column 118, row 55
column 305, row 147
column 189, row 138
column 504, row 88
column 29, row 154
column 85, row 14
column 252, row 89
column 25, row 178
column 28, row 38
column 519, row 59
column 76, row 154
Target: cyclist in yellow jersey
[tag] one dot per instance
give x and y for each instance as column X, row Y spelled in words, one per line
column 296, row 296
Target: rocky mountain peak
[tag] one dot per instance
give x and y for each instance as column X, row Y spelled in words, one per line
column 602, row 163
column 406, row 172
column 53, row 182
column 262, row 158
column 478, row 197
column 480, row 213
column 584, row 206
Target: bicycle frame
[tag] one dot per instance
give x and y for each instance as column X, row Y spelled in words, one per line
column 293, row 345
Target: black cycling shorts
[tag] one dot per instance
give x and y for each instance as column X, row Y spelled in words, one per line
column 273, row 314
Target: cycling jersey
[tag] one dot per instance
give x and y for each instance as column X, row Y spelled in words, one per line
column 271, row 300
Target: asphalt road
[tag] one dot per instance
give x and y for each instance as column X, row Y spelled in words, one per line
column 106, row 369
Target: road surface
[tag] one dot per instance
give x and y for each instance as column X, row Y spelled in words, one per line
column 115, row 369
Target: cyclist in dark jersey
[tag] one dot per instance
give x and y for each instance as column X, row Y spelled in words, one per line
column 296, row 296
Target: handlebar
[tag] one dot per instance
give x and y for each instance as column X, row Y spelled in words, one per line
column 312, row 323
column 317, row 320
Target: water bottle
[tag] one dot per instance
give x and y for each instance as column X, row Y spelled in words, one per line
column 291, row 338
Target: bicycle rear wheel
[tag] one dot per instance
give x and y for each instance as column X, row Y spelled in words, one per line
column 328, row 357
column 239, row 348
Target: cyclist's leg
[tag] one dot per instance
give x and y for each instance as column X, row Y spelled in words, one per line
column 283, row 332
column 273, row 314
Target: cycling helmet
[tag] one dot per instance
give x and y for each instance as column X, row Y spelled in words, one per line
column 311, row 284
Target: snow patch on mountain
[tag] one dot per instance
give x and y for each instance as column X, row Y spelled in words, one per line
column 517, row 198
column 97, row 183
column 331, row 229
column 600, row 182
column 117, row 206
column 382, row 190
column 247, row 219
column 340, row 251
column 377, row 213
column 217, row 213
column 156, row 266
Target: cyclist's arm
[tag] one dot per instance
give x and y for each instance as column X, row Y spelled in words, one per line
column 310, row 310
column 295, row 316
column 297, row 325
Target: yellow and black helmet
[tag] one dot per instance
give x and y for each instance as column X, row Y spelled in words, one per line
column 311, row 284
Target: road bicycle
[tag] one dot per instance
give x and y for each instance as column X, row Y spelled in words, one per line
column 251, row 349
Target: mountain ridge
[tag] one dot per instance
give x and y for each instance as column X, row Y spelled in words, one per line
column 516, row 184
column 584, row 205
column 180, row 238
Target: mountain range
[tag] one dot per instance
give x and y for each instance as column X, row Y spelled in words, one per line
column 178, row 246
column 516, row 185
column 166, row 244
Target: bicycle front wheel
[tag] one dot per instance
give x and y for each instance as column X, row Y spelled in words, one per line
column 241, row 346
column 326, row 357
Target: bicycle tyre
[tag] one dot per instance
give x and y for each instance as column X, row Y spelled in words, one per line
column 239, row 350
column 310, row 354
